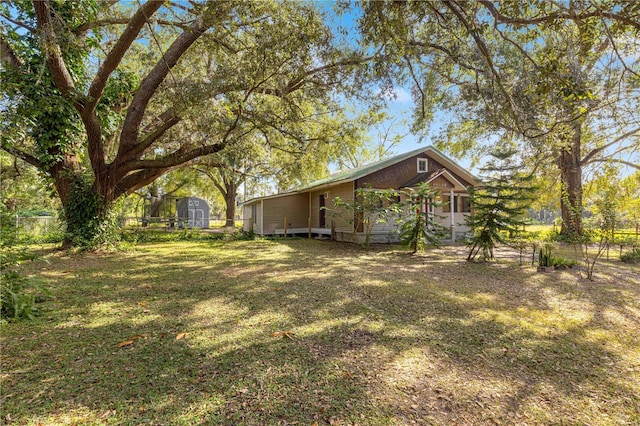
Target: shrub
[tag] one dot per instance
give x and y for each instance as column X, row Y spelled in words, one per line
column 18, row 294
column 546, row 258
column 247, row 235
column 134, row 236
column 559, row 262
column 632, row 256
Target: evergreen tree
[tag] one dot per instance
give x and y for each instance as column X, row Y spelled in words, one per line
column 499, row 205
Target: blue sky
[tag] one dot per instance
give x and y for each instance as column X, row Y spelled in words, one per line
column 400, row 107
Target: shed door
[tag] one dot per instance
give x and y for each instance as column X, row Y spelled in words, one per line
column 322, row 217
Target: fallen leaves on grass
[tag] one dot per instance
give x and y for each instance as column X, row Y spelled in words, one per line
column 131, row 340
column 347, row 374
column 288, row 334
column 181, row 336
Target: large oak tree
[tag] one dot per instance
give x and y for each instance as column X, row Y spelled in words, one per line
column 99, row 96
column 559, row 80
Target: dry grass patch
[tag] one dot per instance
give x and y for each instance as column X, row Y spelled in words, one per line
column 304, row 332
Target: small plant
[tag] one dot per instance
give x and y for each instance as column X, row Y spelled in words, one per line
column 521, row 242
column 247, row 235
column 559, row 262
column 188, row 234
column 632, row 256
column 598, row 232
column 18, row 294
column 369, row 208
column 545, row 257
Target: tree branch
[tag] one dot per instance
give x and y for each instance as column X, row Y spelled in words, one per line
column 615, row 49
column 589, row 157
column 233, row 126
column 84, row 28
column 616, row 160
column 7, row 55
column 174, row 159
column 214, row 180
column 449, row 53
column 111, row 62
column 415, row 80
column 486, row 55
column 555, row 16
column 180, row 6
column 18, row 23
column 114, row 57
column 169, row 120
column 297, row 82
column 58, row 68
column 138, row 180
column 137, row 108
column 28, row 158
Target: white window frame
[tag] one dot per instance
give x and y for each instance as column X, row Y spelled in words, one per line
column 426, row 165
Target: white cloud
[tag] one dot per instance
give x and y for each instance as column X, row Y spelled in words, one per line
column 402, row 95
column 397, row 95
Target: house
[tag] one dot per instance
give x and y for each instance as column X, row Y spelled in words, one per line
column 310, row 210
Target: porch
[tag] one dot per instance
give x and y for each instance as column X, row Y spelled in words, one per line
column 455, row 234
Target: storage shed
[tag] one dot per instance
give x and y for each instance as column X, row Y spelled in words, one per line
column 193, row 212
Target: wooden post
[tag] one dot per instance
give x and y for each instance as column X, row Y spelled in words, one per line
column 333, row 230
column 309, row 222
column 285, row 227
column 251, row 224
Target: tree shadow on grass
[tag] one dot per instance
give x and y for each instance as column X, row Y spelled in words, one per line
column 320, row 334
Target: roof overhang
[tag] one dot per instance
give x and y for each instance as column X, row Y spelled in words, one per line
column 350, row 176
column 444, row 173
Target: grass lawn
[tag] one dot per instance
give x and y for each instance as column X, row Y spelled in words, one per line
column 314, row 332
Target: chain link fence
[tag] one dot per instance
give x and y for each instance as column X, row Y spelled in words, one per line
column 39, row 227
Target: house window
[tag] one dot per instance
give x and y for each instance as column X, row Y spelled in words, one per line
column 466, row 205
column 422, row 165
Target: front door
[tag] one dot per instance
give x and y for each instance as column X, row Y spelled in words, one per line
column 322, row 217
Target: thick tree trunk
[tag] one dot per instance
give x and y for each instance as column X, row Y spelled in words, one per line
column 86, row 213
column 155, row 205
column 230, row 201
column 64, row 174
column 571, row 186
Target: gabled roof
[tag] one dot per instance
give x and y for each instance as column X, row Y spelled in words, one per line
column 422, row 177
column 430, row 177
column 357, row 173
